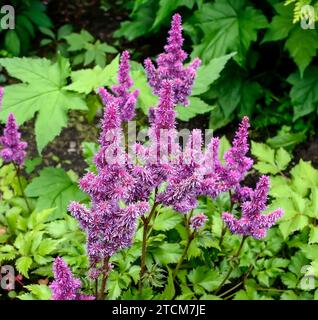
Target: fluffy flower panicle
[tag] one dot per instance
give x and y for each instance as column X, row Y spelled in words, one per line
column 12, row 146
column 65, row 286
column 236, row 158
column 121, row 188
column 253, row 222
column 170, row 66
column 109, row 227
column 198, row 221
column 125, row 100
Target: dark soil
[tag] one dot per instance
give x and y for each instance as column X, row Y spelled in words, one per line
column 87, row 14
column 65, row 150
column 307, row 151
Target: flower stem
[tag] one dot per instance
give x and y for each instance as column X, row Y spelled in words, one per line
column 144, row 244
column 222, row 234
column 232, row 266
column 17, row 168
column 189, row 240
column 101, row 294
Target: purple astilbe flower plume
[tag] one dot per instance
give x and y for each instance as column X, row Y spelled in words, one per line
column 221, row 178
column 109, row 227
column 198, row 221
column 110, row 223
column 184, row 184
column 125, row 100
column 65, row 286
column 253, row 222
column 170, row 66
column 12, row 147
column 121, row 188
column 236, row 158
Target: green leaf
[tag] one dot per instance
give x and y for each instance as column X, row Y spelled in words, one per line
column 166, row 7
column 142, row 21
column 41, row 291
column 26, row 296
column 194, row 250
column 291, row 222
column 46, row 247
column 302, row 46
column 310, row 251
column 289, row 295
column 223, row 147
column 113, row 286
column 313, row 235
column 36, row 13
column 281, row 24
column 42, row 92
column 285, row 138
column 57, row 229
column 167, row 253
column 48, row 32
column 64, row 31
column 305, row 172
column 167, row 220
column 205, row 278
column 55, row 189
column 304, row 92
column 31, row 164
column 7, row 253
column 313, row 212
column 282, row 159
column 290, row 280
column 169, row 291
column 228, row 25
column 269, row 160
column 235, row 91
column 23, row 265
column 197, row 106
column 210, row 72
column 88, row 80
column 12, row 42
column 78, row 41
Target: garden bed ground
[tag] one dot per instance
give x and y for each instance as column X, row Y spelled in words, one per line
column 66, row 149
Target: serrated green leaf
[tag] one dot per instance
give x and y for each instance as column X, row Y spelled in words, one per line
column 208, row 73
column 282, row 159
column 304, row 92
column 23, row 265
column 302, row 46
column 228, row 25
column 57, row 228
column 289, row 280
column 205, row 278
column 196, row 106
column 55, row 189
column 291, row 223
column 46, row 247
column 235, row 91
column 281, row 24
column 42, row 92
column 167, row 220
column 41, row 291
column 313, row 235
column 194, row 250
column 167, row 253
column 78, row 41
